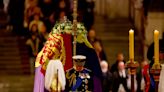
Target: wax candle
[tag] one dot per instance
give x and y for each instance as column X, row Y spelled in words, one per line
column 131, row 44
column 156, row 46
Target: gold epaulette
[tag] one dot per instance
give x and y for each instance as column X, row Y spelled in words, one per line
column 71, row 78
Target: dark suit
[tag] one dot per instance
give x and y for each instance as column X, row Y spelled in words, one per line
column 117, row 80
column 107, row 82
column 92, row 62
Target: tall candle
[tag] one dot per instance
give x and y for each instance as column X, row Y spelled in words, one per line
column 156, row 46
column 131, row 44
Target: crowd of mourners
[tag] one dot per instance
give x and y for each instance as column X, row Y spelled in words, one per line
column 40, row 17
column 34, row 19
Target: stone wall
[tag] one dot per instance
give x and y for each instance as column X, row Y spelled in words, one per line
column 112, row 8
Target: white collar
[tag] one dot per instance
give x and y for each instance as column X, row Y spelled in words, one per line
column 121, row 88
column 122, row 73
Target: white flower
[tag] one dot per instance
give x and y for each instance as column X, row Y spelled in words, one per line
column 78, row 25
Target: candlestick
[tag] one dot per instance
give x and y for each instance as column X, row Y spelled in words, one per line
column 156, row 68
column 131, row 44
column 132, row 65
column 156, row 47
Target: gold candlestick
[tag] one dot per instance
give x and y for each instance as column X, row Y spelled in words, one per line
column 132, row 65
column 156, row 68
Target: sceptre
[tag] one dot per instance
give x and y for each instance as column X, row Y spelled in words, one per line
column 74, row 25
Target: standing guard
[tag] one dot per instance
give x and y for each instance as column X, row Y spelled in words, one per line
column 79, row 78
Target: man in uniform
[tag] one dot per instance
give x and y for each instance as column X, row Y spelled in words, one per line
column 79, row 78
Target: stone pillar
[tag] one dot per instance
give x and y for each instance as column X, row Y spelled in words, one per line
column 155, row 20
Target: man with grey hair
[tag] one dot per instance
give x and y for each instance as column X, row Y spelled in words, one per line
column 107, row 77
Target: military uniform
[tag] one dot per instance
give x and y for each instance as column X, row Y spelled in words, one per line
column 81, row 81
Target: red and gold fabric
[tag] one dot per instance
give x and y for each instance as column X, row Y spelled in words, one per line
column 147, row 77
column 53, row 49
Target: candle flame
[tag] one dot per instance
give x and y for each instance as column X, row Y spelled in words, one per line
column 131, row 30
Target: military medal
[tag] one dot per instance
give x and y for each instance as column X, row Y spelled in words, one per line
column 86, row 81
